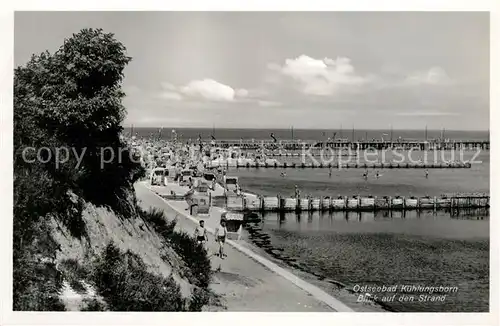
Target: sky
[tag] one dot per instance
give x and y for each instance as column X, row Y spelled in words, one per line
column 370, row 70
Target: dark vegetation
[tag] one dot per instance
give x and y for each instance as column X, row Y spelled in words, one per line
column 70, row 101
column 122, row 280
column 193, row 255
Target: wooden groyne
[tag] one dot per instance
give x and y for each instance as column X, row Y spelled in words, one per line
column 335, row 165
column 313, row 154
column 362, row 144
column 356, row 203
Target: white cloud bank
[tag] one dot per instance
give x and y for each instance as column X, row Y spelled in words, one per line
column 321, row 77
column 205, row 89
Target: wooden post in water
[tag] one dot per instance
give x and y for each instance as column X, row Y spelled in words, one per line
column 389, row 205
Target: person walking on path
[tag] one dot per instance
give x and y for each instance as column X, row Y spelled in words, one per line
column 201, row 234
column 220, row 237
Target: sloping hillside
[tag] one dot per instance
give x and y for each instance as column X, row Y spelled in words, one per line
column 80, row 240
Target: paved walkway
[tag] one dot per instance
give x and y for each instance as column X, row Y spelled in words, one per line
column 247, row 281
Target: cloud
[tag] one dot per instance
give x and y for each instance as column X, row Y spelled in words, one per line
column 211, row 90
column 433, row 76
column 321, row 77
column 241, row 93
column 205, row 89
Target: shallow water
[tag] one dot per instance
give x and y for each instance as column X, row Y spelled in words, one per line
column 428, row 250
column 382, row 248
column 347, row 182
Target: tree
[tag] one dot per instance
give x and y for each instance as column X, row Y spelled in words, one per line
column 69, row 99
column 73, row 98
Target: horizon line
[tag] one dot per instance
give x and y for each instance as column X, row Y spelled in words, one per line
column 301, row 128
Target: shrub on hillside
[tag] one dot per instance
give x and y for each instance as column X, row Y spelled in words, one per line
column 122, row 280
column 36, row 286
column 186, row 246
column 156, row 218
column 36, row 281
column 194, row 255
column 93, row 305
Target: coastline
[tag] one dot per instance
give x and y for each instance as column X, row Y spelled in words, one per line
column 244, row 253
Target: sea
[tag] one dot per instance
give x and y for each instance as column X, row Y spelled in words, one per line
column 369, row 249
column 303, row 134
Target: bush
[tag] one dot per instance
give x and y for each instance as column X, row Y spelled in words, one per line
column 74, row 274
column 93, row 305
column 156, row 218
column 123, row 282
column 194, row 255
column 199, row 298
column 186, row 246
column 36, row 286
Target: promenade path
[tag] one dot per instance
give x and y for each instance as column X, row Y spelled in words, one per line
column 247, row 281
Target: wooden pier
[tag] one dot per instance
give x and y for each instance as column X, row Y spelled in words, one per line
column 362, row 144
column 355, row 203
column 336, row 165
column 309, row 153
